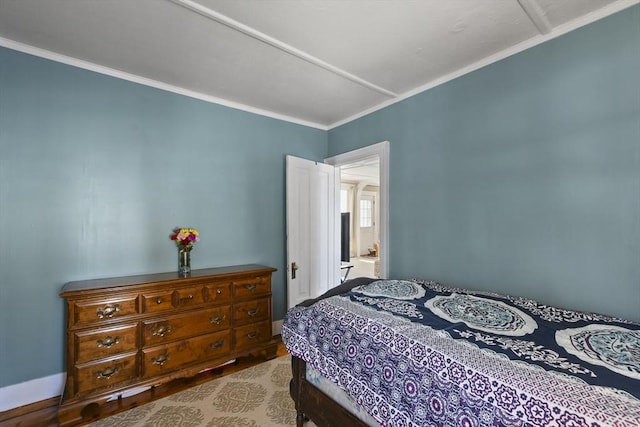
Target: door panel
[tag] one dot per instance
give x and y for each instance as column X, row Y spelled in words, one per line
column 313, row 232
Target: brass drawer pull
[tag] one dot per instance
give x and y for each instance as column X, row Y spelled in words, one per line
column 108, row 342
column 108, row 373
column 159, row 300
column 218, row 319
column 252, row 312
column 160, row 360
column 251, row 287
column 218, row 291
column 108, row 311
column 253, row 335
column 216, row 344
column 162, row 331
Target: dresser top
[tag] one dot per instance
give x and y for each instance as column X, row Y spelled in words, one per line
column 141, row 279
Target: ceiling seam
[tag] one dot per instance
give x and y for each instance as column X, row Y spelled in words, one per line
column 273, row 42
column 558, row 31
column 537, row 16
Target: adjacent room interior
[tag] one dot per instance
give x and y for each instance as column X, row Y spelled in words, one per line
column 360, row 216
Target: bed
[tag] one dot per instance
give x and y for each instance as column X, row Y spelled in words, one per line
column 418, row 353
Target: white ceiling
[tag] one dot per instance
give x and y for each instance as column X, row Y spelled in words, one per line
column 316, row 62
column 366, row 171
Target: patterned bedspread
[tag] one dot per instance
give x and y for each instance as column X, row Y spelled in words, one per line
column 417, row 353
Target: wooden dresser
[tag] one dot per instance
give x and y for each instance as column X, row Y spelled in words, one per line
column 139, row 331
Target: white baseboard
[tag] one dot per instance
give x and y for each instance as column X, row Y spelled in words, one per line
column 28, row 392
column 32, row 391
column 276, row 327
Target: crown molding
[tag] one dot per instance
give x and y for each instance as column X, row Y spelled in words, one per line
column 68, row 60
column 555, row 32
column 527, row 44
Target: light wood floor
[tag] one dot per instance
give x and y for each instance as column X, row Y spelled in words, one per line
column 43, row 414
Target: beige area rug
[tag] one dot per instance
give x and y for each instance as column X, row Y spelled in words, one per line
column 254, row 397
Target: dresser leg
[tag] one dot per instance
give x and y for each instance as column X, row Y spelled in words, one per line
column 271, row 352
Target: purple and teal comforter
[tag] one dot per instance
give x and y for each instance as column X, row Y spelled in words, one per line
column 417, row 353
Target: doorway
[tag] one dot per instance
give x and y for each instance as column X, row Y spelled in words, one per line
column 364, row 186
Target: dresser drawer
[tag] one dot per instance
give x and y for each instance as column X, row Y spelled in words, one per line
column 104, row 374
column 87, row 312
column 160, row 331
column 188, row 297
column 100, row 343
column 167, row 358
column 260, row 285
column 219, row 292
column 249, row 335
column 156, row 302
column 251, row 311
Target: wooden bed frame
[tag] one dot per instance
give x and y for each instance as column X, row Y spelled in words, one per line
column 312, row 404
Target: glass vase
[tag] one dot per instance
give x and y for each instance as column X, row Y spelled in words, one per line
column 184, row 261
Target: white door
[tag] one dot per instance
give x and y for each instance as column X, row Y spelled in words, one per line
column 313, row 229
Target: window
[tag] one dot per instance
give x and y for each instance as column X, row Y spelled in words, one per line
column 366, row 213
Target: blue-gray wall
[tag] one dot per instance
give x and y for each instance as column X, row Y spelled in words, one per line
column 94, row 174
column 524, row 176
